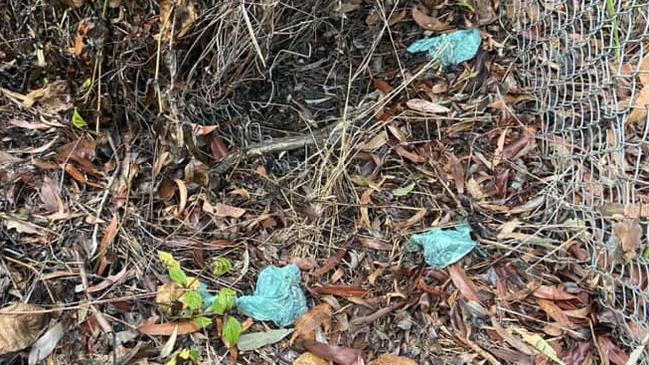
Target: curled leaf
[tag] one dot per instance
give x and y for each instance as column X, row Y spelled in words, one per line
column 18, row 329
column 220, row 266
column 311, row 320
column 424, row 21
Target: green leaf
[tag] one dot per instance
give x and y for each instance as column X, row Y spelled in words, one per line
column 77, row 120
column 177, row 275
column 231, row 332
column 403, row 191
column 187, row 354
column 167, row 259
column 202, row 322
column 255, row 340
column 192, row 300
column 220, row 266
column 224, row 301
column 86, row 83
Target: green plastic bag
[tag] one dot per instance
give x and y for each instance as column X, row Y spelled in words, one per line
column 450, row 49
column 443, row 247
column 278, row 296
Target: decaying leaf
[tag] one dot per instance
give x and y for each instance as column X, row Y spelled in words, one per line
column 320, row 315
column 374, row 143
column 463, row 283
column 340, row 290
column 167, row 295
column 44, row 346
column 555, row 313
column 629, row 235
column 539, row 343
column 308, row 358
column 613, row 353
column 387, row 359
column 338, row 354
column 19, row 329
column 553, row 293
column 423, row 20
column 425, row 106
column 176, row 15
column 227, row 211
column 641, row 101
column 151, row 328
column 51, row 196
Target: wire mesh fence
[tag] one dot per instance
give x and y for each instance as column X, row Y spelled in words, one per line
column 587, row 64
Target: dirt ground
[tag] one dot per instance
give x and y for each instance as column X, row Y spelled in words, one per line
column 269, row 133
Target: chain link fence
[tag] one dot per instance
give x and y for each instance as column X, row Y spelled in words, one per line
column 587, row 65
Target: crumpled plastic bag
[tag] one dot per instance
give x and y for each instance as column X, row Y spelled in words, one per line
column 443, row 247
column 450, row 49
column 278, row 296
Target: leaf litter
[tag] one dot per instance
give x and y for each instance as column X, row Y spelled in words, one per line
column 211, row 154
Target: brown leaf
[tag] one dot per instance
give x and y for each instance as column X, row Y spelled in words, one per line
column 416, row 218
column 109, row 235
column 19, row 330
column 366, row 200
column 340, row 290
column 512, row 340
column 553, row 293
column 412, row 156
column 512, row 149
column 223, row 211
column 579, row 355
column 425, row 106
column 338, row 354
column 80, row 149
column 304, row 263
column 218, row 148
column 629, row 234
column 377, row 141
column 308, row 358
column 331, row 262
column 320, row 315
column 382, row 85
column 457, row 172
column 611, row 351
column 50, row 196
column 151, row 328
column 375, row 244
column 109, row 281
column 184, row 16
column 387, row 359
column 463, row 283
column 420, row 16
column 498, row 154
column 641, row 102
column 556, row 313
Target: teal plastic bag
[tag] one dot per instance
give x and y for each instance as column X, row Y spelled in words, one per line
column 450, row 49
column 443, row 247
column 278, row 296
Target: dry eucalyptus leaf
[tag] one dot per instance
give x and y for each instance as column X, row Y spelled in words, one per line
column 424, row 21
column 314, row 318
column 425, row 106
column 46, row 344
column 629, row 234
column 387, row 359
column 18, row 331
